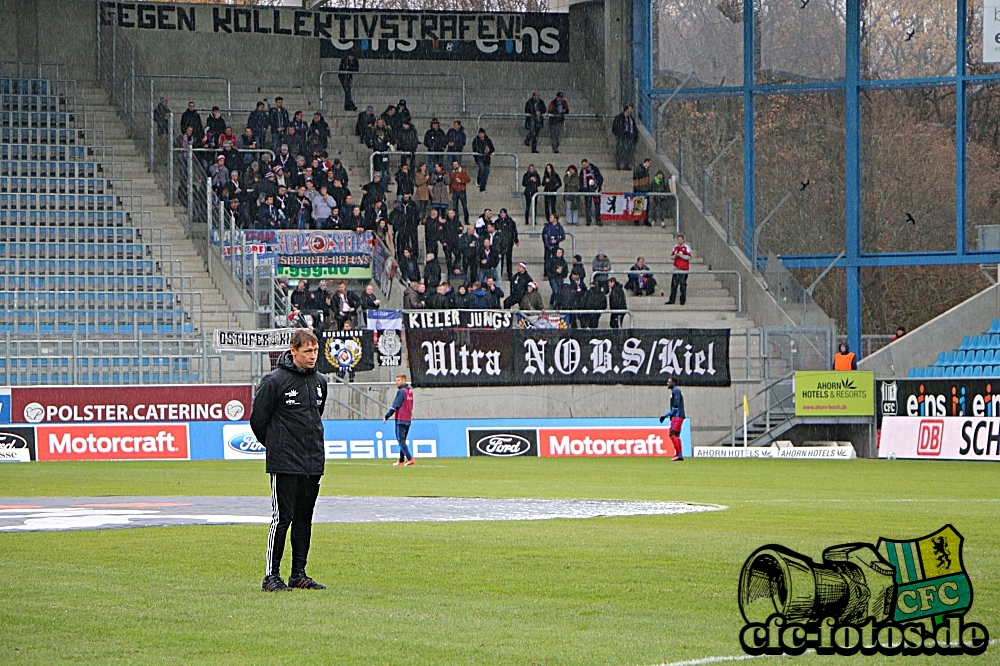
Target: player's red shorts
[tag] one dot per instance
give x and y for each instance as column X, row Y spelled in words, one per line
column 675, row 424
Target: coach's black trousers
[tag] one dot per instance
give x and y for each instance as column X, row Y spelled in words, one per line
column 293, row 498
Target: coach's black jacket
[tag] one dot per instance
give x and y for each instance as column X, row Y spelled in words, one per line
column 287, row 418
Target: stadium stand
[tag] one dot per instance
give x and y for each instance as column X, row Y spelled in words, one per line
column 95, row 271
column 977, row 356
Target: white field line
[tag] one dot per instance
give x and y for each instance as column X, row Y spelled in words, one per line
column 745, row 657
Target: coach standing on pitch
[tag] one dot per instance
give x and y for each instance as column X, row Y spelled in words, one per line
column 287, row 419
column 676, row 416
column 402, row 407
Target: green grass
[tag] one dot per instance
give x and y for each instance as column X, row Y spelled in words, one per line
column 603, row 591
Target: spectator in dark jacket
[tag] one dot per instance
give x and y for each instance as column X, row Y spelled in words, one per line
column 626, row 134
column 403, row 111
column 258, row 122
column 640, row 281
column 408, row 267
column 278, row 121
column 558, row 109
column 551, row 182
column 216, row 122
column 616, row 301
column 477, row 299
column 591, row 180
column 191, row 118
column 534, row 119
column 413, row 298
column 432, row 271
column 348, row 65
column 494, row 293
column 593, row 299
column 553, row 235
column 530, row 181
column 456, row 142
column 518, row 286
column 482, row 145
column 161, row 116
column 508, row 227
column 468, row 246
column 557, row 274
column 406, row 142
column 435, row 140
column 577, row 267
column 365, row 123
column 319, row 132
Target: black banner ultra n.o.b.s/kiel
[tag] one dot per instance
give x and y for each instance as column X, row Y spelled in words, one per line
column 455, row 357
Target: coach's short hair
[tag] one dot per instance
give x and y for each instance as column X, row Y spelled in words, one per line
column 301, row 336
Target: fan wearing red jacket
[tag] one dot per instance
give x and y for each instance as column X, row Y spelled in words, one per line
column 681, row 255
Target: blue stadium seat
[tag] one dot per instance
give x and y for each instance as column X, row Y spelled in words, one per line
column 937, row 372
column 942, row 356
column 912, row 373
column 978, row 359
column 966, row 342
column 959, row 357
column 995, row 326
column 977, row 371
column 988, row 357
column 995, row 341
column 950, row 358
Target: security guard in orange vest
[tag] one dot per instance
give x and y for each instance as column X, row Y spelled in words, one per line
column 845, row 359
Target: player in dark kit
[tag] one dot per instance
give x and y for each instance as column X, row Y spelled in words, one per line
column 287, row 419
column 676, row 416
column 402, row 407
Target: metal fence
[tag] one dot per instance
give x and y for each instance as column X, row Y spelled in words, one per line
column 444, row 157
column 359, row 78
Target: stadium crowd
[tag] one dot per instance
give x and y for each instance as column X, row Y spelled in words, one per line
column 301, row 188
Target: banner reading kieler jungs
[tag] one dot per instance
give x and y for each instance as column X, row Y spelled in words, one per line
column 188, row 402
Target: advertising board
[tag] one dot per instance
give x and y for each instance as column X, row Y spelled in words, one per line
column 943, row 438
column 106, row 441
column 588, row 441
column 830, row 393
column 17, row 444
column 938, row 397
column 5, row 405
column 77, row 404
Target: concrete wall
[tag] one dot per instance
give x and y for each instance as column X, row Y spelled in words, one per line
column 586, row 30
column 50, row 31
column 921, row 346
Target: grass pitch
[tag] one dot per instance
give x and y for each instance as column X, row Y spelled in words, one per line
column 623, row 591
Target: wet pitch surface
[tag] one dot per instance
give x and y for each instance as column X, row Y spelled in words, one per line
column 30, row 514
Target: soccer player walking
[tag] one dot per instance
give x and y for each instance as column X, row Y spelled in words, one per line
column 676, row 416
column 287, row 419
column 402, row 407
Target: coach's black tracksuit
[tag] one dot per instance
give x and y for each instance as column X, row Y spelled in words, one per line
column 287, row 419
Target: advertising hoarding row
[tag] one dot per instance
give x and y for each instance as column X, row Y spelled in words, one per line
column 344, row 440
column 939, row 419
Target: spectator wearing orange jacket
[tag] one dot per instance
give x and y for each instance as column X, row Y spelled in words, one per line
column 459, row 180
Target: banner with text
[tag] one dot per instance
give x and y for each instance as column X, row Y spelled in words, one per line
column 458, row 357
column 271, row 340
column 938, row 397
column 490, row 319
column 830, row 393
column 181, row 402
column 414, row 35
column 945, row 438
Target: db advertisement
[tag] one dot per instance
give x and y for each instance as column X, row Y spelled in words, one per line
column 75, row 404
column 835, row 393
column 945, row 438
column 136, row 441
